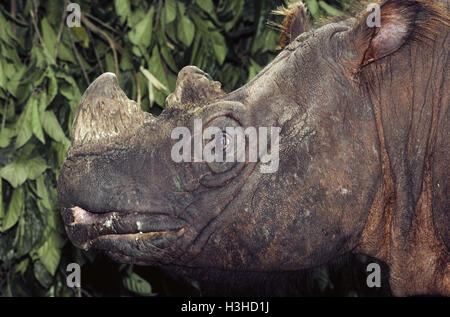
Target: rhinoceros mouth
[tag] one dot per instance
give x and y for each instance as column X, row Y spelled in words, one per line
column 87, row 229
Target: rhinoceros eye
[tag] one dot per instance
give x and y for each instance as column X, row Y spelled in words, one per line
column 224, row 141
column 227, row 167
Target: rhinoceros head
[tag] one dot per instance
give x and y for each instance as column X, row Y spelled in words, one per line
column 292, row 191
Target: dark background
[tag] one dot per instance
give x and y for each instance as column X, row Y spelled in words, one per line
column 44, row 68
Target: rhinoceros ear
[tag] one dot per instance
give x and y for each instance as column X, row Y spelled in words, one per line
column 194, row 87
column 385, row 28
column 296, row 22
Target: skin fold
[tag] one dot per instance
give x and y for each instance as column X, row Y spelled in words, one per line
column 363, row 157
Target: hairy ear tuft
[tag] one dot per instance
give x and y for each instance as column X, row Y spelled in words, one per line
column 385, row 28
column 296, row 21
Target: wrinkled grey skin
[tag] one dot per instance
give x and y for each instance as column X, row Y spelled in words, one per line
column 120, row 192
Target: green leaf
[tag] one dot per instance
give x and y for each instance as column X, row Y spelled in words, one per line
column 66, row 54
column 71, row 91
column 16, row 173
column 6, row 249
column 185, row 28
column 2, row 210
column 329, row 9
column 34, row 77
column 36, row 122
column 42, row 275
column 238, row 7
column 168, row 58
column 123, row 9
column 10, row 53
column 53, row 11
column 50, row 251
column 37, row 57
column 30, row 229
column 157, row 70
column 136, row 51
column 136, row 16
column 110, row 65
column 253, row 70
column 266, row 42
column 171, row 31
column 41, row 191
column 52, row 89
column 206, row 5
column 14, row 209
column 141, row 34
column 170, row 10
column 6, row 135
column 48, row 36
column 186, row 31
column 26, row 152
column 126, row 62
column 9, row 69
column 136, row 284
column 220, row 47
column 52, row 127
column 24, row 132
column 82, row 35
column 2, row 75
column 61, row 151
column 11, row 112
column 35, row 167
column 21, row 268
column 5, row 30
column 13, row 84
column 195, row 48
column 313, row 7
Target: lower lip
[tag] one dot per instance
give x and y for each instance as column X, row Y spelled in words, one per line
column 124, row 223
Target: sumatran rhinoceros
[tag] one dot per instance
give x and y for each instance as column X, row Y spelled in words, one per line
column 354, row 120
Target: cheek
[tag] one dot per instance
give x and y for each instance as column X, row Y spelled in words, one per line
column 319, row 199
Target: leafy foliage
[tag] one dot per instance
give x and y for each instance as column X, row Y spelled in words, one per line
column 44, row 68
